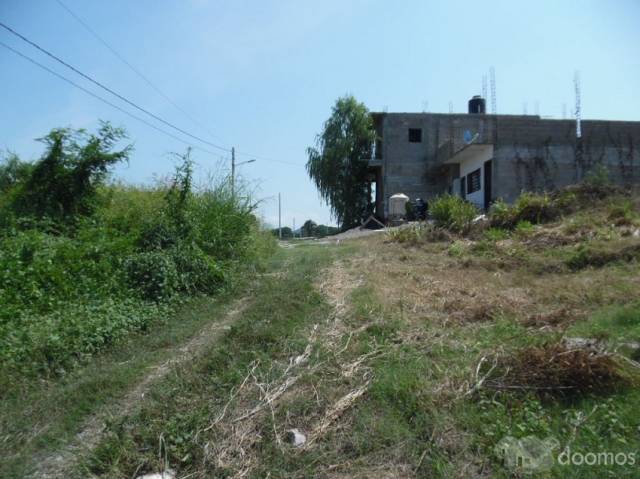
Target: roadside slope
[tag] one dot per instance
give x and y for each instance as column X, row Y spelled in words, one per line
column 47, row 426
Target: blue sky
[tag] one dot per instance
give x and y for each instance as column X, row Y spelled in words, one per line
column 263, row 75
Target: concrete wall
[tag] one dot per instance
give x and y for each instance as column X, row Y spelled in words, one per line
column 529, row 153
column 418, row 169
column 543, row 155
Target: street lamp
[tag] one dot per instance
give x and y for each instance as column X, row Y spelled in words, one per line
column 233, row 169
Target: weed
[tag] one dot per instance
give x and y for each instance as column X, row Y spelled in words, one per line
column 457, row 249
column 496, row 234
column 418, row 233
column 411, row 234
column 622, row 213
column 528, row 207
column 453, row 213
column 598, row 254
column 598, row 176
column 523, row 228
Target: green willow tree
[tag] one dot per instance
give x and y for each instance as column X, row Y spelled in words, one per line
column 338, row 165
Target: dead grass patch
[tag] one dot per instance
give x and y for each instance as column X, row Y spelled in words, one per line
column 555, row 369
column 557, row 318
column 473, row 313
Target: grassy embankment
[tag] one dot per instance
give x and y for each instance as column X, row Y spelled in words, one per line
column 414, row 355
column 100, row 280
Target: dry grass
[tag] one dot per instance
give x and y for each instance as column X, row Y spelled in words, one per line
column 557, row 369
column 557, row 318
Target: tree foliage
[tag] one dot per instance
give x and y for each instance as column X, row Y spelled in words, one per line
column 63, row 183
column 309, row 228
column 338, row 165
column 13, row 171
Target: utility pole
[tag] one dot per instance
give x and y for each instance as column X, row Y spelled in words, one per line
column 233, row 171
column 279, row 217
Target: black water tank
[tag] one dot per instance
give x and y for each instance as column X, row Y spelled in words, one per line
column 477, row 105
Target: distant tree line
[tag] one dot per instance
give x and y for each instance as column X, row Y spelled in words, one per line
column 309, row 228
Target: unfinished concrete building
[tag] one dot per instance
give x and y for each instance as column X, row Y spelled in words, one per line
column 483, row 157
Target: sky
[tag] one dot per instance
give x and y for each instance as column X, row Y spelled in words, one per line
column 262, row 75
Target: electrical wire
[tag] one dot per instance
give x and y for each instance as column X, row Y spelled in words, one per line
column 96, row 82
column 135, row 70
column 113, row 105
column 92, row 80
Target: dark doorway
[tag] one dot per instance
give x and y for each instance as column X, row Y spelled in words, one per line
column 463, row 186
column 487, row 184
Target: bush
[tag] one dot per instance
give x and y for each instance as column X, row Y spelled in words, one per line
column 153, row 273
column 51, row 342
column 453, row 213
column 82, row 263
column 63, row 183
column 197, row 272
column 528, row 207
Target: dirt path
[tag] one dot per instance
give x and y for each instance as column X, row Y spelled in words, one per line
column 59, row 465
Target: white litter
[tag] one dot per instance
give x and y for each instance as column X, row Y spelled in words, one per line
column 168, row 474
column 296, row 438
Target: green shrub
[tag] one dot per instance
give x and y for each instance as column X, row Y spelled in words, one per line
column 453, row 213
column 153, row 273
column 528, row 207
column 54, row 341
column 197, row 272
column 158, row 233
column 83, row 263
column 63, row 183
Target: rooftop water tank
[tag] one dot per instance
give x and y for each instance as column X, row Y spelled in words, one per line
column 477, row 105
column 397, row 206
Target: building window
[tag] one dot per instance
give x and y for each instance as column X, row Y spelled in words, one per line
column 473, row 182
column 415, row 135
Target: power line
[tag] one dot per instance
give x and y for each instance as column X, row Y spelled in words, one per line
column 113, row 105
column 92, row 80
column 134, row 69
column 46, row 52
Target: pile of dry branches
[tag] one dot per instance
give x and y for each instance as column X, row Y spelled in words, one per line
column 556, row 369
